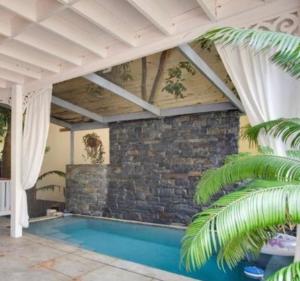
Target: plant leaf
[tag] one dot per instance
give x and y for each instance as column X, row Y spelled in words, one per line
column 268, row 167
column 54, row 172
column 288, row 130
column 236, row 215
column 286, row 46
column 288, row 273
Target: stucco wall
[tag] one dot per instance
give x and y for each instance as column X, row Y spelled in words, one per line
column 244, row 145
column 59, row 156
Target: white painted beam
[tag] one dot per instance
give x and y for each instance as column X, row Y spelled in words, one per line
column 154, row 13
column 175, row 111
column 20, row 69
column 89, row 126
column 209, row 8
column 105, row 20
column 75, row 108
column 61, row 123
column 16, row 160
column 204, row 68
column 129, row 117
column 104, row 83
column 153, row 44
column 30, row 56
column 198, row 108
column 11, row 77
column 3, row 83
column 68, row 31
column 47, row 48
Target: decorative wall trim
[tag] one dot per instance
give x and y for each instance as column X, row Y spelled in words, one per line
column 287, row 22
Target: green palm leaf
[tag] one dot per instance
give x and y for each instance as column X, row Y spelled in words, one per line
column 236, row 215
column 285, row 129
column 53, row 172
column 238, row 248
column 268, row 167
column 286, row 46
column 288, row 273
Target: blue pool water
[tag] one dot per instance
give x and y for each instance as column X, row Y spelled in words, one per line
column 149, row 245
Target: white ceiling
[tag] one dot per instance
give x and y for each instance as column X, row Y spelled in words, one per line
column 48, row 41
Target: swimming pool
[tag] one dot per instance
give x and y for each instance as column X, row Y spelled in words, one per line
column 149, row 245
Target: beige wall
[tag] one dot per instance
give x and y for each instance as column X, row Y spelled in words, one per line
column 59, row 156
column 244, row 144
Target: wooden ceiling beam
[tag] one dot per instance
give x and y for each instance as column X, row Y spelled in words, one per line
column 104, row 83
column 20, row 29
column 53, row 50
column 208, row 6
column 205, row 69
column 154, row 13
column 11, row 77
column 78, row 37
column 104, row 20
column 75, row 108
column 3, row 83
column 216, row 11
column 20, row 69
column 89, row 126
column 60, row 123
column 23, row 54
column 168, row 112
column 122, row 54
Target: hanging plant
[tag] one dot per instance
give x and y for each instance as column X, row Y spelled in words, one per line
column 93, row 148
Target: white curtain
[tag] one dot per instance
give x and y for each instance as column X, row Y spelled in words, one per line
column 35, row 133
column 266, row 91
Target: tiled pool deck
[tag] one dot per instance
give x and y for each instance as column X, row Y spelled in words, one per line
column 33, row 258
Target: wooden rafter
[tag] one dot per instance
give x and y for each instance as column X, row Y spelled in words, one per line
column 154, row 13
column 75, row 108
column 205, row 69
column 104, row 83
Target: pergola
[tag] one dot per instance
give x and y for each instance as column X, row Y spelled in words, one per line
column 44, row 42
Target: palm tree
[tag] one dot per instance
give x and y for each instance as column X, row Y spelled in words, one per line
column 268, row 196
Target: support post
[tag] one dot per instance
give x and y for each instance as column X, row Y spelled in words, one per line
column 72, row 147
column 16, row 159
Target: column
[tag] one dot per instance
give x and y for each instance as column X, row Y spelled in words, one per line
column 72, row 147
column 16, row 159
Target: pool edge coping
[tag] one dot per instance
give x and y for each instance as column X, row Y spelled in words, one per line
column 115, row 262
column 44, row 218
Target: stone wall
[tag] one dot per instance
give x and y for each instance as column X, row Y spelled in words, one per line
column 38, row 208
column 155, row 164
column 154, row 167
column 86, row 189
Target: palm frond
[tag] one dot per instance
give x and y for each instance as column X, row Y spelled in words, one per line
column 288, row 273
column 293, row 154
column 286, row 46
column 53, row 172
column 288, row 130
column 50, row 187
column 235, row 215
column 268, row 167
column 248, row 245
